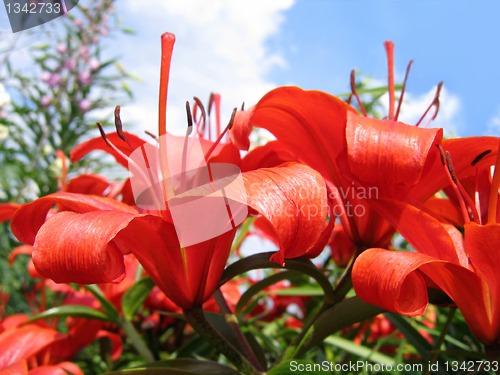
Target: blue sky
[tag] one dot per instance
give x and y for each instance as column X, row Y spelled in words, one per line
column 242, row 49
column 452, row 41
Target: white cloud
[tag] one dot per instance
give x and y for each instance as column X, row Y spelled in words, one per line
column 414, row 106
column 493, row 126
column 220, row 47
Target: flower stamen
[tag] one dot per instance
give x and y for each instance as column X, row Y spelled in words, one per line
column 403, row 90
column 355, row 93
column 389, row 48
column 479, row 157
column 495, row 184
column 435, row 103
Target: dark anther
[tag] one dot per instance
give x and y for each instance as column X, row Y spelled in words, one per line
column 451, row 169
column 103, row 135
column 200, row 104
column 403, row 90
column 210, row 102
column 243, row 106
column 479, row 157
column 231, row 121
column 189, row 118
column 118, row 123
column 441, row 152
column 151, row 134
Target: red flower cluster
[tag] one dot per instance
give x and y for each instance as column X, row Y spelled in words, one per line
column 331, row 177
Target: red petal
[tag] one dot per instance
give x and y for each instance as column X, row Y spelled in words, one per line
column 389, row 152
column 22, row 343
column 445, row 209
column 311, row 124
column 23, row 249
column 18, row 368
column 241, row 129
column 99, row 144
column 116, row 343
column 425, row 233
column 463, row 151
column 188, row 277
column 394, row 281
column 265, row 230
column 270, row 155
column 91, row 184
column 78, row 248
column 481, row 243
column 29, row 218
column 57, row 369
column 7, row 211
column 293, row 198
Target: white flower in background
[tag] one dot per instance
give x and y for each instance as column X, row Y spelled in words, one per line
column 56, row 167
column 4, row 96
column 4, row 133
column 47, row 150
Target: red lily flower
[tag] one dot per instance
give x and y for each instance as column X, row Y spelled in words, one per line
column 24, row 342
column 464, row 268
column 351, row 153
column 76, row 245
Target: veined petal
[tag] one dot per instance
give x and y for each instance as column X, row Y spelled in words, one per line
column 463, row 152
column 425, row 233
column 482, row 243
column 18, row 368
column 446, row 209
column 24, row 342
column 293, row 198
column 154, row 243
column 394, row 281
column 241, row 129
column 79, row 248
column 389, row 153
column 7, row 210
column 311, row 124
column 270, row 155
column 100, row 144
column 205, row 264
column 89, row 184
column 29, row 218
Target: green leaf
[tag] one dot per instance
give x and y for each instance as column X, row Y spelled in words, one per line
column 299, row 367
column 126, row 30
column 105, row 303
column 306, row 290
column 261, row 260
column 71, row 310
column 261, row 285
column 135, row 296
column 411, row 334
column 180, row 366
column 360, row 350
column 337, row 317
column 373, row 90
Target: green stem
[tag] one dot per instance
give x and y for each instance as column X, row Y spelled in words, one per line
column 136, row 340
column 242, row 232
column 302, row 338
column 232, row 322
column 332, row 297
column 440, row 339
column 196, row 318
